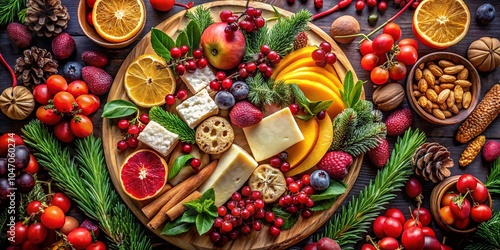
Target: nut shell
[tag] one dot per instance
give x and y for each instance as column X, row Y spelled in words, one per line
column 389, row 96
column 484, row 54
column 17, row 102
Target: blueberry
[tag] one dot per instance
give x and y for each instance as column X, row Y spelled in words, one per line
column 239, row 90
column 224, row 100
column 72, row 71
column 320, row 180
column 485, row 13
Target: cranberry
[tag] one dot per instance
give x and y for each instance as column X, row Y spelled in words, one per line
column 256, row 195
column 220, row 75
column 133, row 129
column 275, row 162
column 170, row 99
column 195, row 163
column 279, row 222
column 246, row 191
column 285, row 167
column 186, row 148
column 236, row 196
column 181, row 94
column 218, row 222
column 269, row 217
column 259, row 204
column 123, row 124
column 222, row 210
column 226, row 226
column 122, row 145
column 275, row 231
column 132, row 142
column 256, row 225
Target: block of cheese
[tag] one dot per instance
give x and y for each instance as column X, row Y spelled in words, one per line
column 233, row 170
column 199, row 79
column 158, row 138
column 273, row 134
column 197, row 108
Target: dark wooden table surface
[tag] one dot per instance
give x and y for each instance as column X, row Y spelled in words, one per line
column 441, row 134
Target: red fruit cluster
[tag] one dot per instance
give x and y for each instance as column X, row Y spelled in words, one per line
column 298, row 199
column 324, row 55
column 280, row 161
column 131, row 128
column 381, row 5
column 184, row 63
column 66, row 106
column 250, row 20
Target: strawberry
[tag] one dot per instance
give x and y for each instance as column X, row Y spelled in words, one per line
column 491, row 150
column 398, row 122
column 95, row 58
column 63, row 46
column 98, row 80
column 19, row 35
column 335, row 163
column 244, row 114
column 379, row 155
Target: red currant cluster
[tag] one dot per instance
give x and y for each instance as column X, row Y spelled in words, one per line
column 298, row 200
column 170, row 98
column 195, row 162
column 402, row 3
column 221, row 81
column 183, row 63
column 132, row 129
column 252, row 20
column 324, row 55
column 280, row 161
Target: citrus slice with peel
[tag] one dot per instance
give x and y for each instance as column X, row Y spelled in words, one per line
column 148, row 80
column 143, row 174
column 440, row 24
column 118, row 20
column 269, row 181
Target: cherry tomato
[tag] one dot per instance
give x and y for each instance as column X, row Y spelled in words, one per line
column 27, row 245
column 62, row 131
column 407, row 55
column 481, row 213
column 33, row 207
column 466, row 182
column 78, row 88
column 408, row 41
column 379, row 75
column 70, row 223
column 378, row 226
column 162, row 5
column 413, row 187
column 388, row 243
column 392, row 227
column 41, row 94
column 445, row 201
column 367, row 246
column 424, row 216
column 90, row 3
column 365, row 47
column 397, row 71
column 97, row 101
column 9, row 140
column 80, row 238
column 480, row 193
column 396, row 214
column 19, row 234
column 369, row 61
column 87, row 104
column 460, row 208
column 412, row 223
column 447, row 215
column 56, row 83
column 98, row 245
column 394, row 30
column 81, row 126
column 48, row 116
column 62, row 201
column 89, row 19
column 64, row 101
column 462, row 224
column 37, row 233
column 413, row 238
column 429, row 231
column 33, row 166
column 431, row 243
column 52, row 217
column 382, row 44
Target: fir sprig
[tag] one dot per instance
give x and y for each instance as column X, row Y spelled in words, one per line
column 201, row 16
column 351, row 223
column 10, row 9
column 262, row 92
column 493, row 181
column 487, row 236
column 172, row 123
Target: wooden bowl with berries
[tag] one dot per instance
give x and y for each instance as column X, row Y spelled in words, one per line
column 460, row 203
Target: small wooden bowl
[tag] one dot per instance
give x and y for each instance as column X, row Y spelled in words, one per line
column 437, row 194
column 473, row 77
column 91, row 33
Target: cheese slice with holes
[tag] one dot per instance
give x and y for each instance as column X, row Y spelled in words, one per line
column 158, row 138
column 197, row 108
column 233, row 170
column 275, row 133
column 199, row 79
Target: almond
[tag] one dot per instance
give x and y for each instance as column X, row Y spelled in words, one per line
column 422, row 101
column 447, row 113
column 454, row 109
column 451, row 99
column 443, row 96
column 452, row 70
column 459, row 93
column 445, row 63
column 463, row 75
column 463, row 83
column 434, row 105
column 431, row 95
column 447, row 85
column 436, row 70
column 437, row 89
column 428, row 76
column 417, row 93
column 418, row 74
column 438, row 114
column 466, row 99
column 421, row 66
column 389, row 96
column 447, row 78
column 422, row 85
column 443, row 106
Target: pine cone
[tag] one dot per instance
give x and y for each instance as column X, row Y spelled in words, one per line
column 300, row 41
column 47, row 17
column 431, row 161
column 35, row 66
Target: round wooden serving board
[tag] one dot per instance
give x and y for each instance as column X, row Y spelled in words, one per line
column 191, row 240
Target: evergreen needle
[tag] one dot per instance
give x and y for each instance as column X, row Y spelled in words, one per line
column 487, row 236
column 10, row 9
column 349, row 225
column 493, row 181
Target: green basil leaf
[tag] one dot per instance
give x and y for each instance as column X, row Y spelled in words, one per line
column 194, row 204
column 118, row 108
column 162, row 43
column 209, row 194
column 179, row 163
column 212, row 210
column 322, row 205
column 323, row 105
column 335, row 189
column 193, row 32
column 182, row 39
column 189, row 216
column 203, row 223
column 176, row 227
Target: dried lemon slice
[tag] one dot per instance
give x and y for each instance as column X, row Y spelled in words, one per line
column 269, row 181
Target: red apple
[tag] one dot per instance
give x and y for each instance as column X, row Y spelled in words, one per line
column 223, row 51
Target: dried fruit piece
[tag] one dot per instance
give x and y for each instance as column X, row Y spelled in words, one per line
column 269, row 181
column 389, row 96
column 471, row 151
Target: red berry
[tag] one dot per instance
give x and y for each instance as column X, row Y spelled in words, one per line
column 144, row 118
column 292, row 209
column 225, row 14
column 186, row 148
column 132, row 142
column 170, row 99
column 259, row 203
column 251, row 67
column 220, row 75
column 184, row 50
column 318, row 4
column 309, row 202
column 215, row 85
column 262, row 67
column 308, row 190
column 293, row 187
column 236, row 196
column 226, row 227
column 306, row 213
column 123, row 124
column 272, row 55
column 371, row 3
column 289, row 180
column 321, row 115
column 278, row 222
column 191, row 65
column 265, row 49
column 227, row 83
column 195, row 163
column 222, row 210
column 360, row 5
column 275, row 162
column 382, row 6
column 302, row 197
column 246, row 191
column 235, row 212
column 275, row 231
column 331, row 58
column 201, row 63
column 181, row 94
column 133, row 129
column 256, row 195
column 285, row 167
column 197, row 53
column 306, row 179
column 175, row 52
column 294, row 108
column 256, row 225
column 243, row 73
column 180, row 69
column 318, row 55
column 326, row 47
column 121, row 145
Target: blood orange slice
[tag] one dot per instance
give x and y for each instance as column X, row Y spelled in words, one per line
column 143, row 174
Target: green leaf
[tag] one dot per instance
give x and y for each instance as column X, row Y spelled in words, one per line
column 182, row 39
column 276, row 12
column 322, row 105
column 289, row 219
column 203, row 223
column 189, row 216
column 193, row 32
column 118, row 108
column 212, row 210
column 322, row 205
column 179, row 163
column 162, row 43
column 194, row 204
column 209, row 194
column 176, row 227
column 335, row 189
column 300, row 98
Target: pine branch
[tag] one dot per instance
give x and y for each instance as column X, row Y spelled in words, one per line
column 364, row 138
column 253, row 41
column 280, row 37
column 10, row 9
column 201, row 16
column 262, row 92
column 493, row 181
column 172, row 123
column 487, row 236
column 351, row 223
column 341, row 125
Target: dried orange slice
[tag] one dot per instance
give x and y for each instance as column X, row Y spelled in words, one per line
column 269, row 181
column 148, row 80
column 440, row 24
column 118, row 20
column 143, row 174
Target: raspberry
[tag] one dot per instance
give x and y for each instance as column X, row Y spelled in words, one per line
column 335, row 163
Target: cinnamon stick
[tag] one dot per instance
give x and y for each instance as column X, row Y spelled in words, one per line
column 169, row 199
column 179, row 208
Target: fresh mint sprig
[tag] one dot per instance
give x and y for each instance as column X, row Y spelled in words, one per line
column 312, row 108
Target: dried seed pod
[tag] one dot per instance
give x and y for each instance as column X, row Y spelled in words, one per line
column 463, row 83
column 447, row 85
column 471, row 151
column 422, row 101
column 418, row 74
column 451, row 99
column 431, row 95
column 437, row 89
column 429, row 77
column 443, row 96
column 459, row 93
column 422, row 85
column 417, row 93
column 454, row 109
column 447, row 113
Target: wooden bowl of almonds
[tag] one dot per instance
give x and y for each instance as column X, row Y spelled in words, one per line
column 443, row 88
